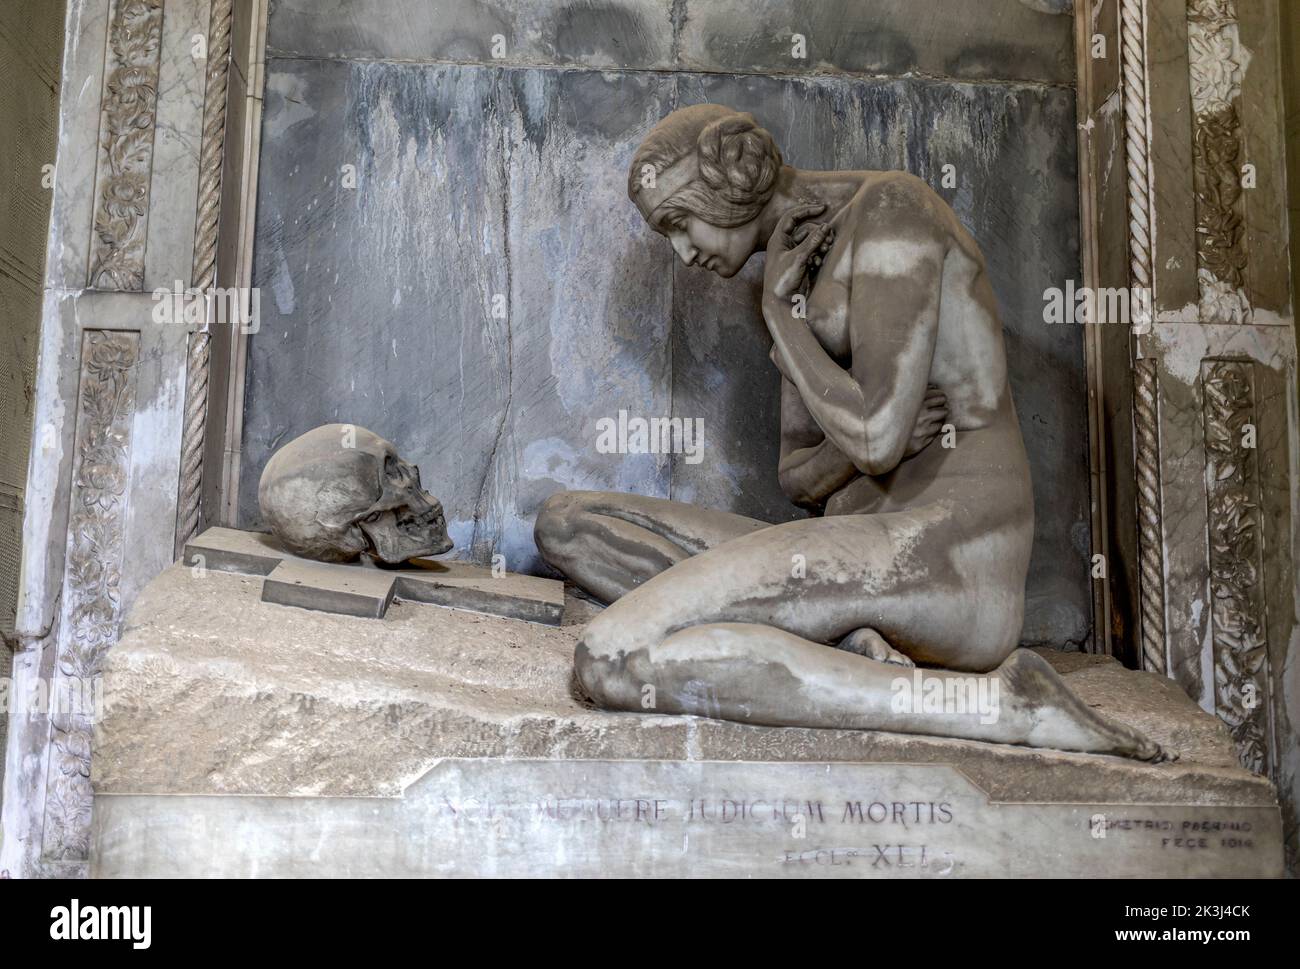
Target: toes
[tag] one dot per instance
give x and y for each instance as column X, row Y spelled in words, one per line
column 869, row 643
column 895, row 658
column 1153, row 753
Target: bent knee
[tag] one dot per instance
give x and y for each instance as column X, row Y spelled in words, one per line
column 554, row 524
column 557, row 517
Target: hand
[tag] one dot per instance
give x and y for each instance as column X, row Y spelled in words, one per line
column 793, row 247
column 929, row 422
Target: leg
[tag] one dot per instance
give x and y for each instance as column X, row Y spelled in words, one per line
column 730, row 633
column 610, row 543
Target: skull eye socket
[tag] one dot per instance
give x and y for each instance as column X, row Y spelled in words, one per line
column 400, row 473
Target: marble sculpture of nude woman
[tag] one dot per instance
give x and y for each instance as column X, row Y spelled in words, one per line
column 884, row 329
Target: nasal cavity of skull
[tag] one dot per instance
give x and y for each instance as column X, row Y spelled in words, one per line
column 402, row 498
column 397, row 472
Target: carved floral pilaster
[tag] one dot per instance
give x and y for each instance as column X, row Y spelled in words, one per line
column 1215, row 64
column 128, row 120
column 91, row 604
column 1237, row 621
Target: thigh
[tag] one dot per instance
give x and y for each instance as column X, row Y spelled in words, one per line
column 609, row 543
column 691, row 528
column 823, row 578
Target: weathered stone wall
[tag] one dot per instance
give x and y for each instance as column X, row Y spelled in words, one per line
column 478, row 176
column 31, row 46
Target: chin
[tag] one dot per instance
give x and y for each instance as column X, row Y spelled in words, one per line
column 727, row 270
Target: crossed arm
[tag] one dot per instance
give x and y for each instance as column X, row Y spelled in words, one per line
column 837, row 423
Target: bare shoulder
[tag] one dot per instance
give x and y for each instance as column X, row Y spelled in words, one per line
column 898, row 207
column 899, row 204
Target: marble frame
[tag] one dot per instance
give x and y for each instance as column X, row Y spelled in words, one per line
column 1156, row 126
column 134, row 213
column 1181, row 186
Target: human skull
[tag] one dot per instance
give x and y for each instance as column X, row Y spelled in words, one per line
column 339, row 491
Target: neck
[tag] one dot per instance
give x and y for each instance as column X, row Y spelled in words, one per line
column 795, row 187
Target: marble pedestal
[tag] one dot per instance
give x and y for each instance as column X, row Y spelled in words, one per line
column 247, row 738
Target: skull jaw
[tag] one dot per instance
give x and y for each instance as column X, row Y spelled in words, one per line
column 394, row 544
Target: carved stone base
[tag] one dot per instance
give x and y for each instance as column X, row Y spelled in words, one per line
column 244, row 738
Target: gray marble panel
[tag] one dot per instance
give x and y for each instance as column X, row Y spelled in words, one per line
column 590, row 298
column 517, row 302
column 478, row 182
column 1023, row 40
column 591, row 33
column 968, row 39
column 377, row 299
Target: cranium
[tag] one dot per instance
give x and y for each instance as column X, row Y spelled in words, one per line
column 339, row 491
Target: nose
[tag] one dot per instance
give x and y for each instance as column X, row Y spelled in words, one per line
column 685, row 250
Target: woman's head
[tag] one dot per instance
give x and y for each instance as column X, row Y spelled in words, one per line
column 701, row 178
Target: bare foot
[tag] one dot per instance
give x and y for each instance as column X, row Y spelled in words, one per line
column 869, row 643
column 1060, row 719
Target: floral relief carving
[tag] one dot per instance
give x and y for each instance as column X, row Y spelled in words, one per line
column 129, row 116
column 92, row 605
column 1240, row 657
column 1215, row 61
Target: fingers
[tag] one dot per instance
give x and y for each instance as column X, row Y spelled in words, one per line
column 787, row 224
column 825, row 247
column 817, row 238
column 816, row 243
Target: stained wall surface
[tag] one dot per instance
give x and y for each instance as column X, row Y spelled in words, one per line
column 409, row 176
column 31, row 49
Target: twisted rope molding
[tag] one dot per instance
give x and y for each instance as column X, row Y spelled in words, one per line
column 204, row 274
column 1146, row 415
column 1146, row 428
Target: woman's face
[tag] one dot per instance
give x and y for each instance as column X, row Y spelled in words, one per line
column 699, row 243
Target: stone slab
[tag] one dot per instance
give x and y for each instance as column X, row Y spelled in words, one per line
column 197, row 688
column 348, row 591
column 464, row 586
column 362, row 590
column 234, row 550
column 678, row 819
column 242, row 738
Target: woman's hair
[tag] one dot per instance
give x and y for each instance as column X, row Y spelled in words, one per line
column 738, row 163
